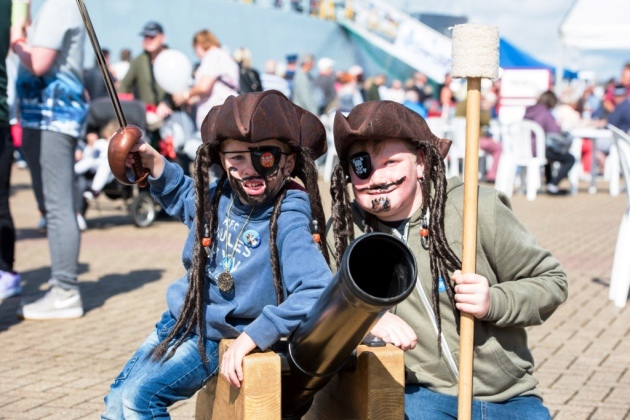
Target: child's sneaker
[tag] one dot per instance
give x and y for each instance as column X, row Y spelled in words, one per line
column 57, row 303
column 9, row 284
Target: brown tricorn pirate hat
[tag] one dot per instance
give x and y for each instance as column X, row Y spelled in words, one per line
column 375, row 120
column 258, row 116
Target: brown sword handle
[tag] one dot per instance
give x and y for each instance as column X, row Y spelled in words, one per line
column 119, row 148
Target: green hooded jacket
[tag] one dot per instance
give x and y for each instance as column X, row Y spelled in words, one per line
column 527, row 284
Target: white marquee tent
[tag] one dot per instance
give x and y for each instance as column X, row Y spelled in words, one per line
column 595, row 25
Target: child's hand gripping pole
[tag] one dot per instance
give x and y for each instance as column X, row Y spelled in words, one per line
column 475, row 55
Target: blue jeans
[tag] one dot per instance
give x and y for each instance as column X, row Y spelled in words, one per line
column 145, row 388
column 423, row 404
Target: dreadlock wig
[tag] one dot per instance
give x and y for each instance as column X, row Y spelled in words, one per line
column 251, row 118
column 379, row 121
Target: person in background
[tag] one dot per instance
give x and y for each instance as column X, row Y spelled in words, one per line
column 249, row 80
column 272, row 79
column 325, row 82
column 304, row 87
column 376, row 84
column 445, row 96
column 395, row 168
column 93, row 169
column 356, row 72
column 541, row 113
column 139, row 79
column 94, row 83
column 9, row 280
column 486, row 142
column 620, row 116
column 419, row 84
column 411, row 101
column 348, row 94
column 395, row 92
column 53, row 109
column 120, row 68
column 216, row 79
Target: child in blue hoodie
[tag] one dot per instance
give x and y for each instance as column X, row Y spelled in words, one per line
column 254, row 267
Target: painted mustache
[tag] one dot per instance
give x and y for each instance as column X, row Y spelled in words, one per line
column 383, row 187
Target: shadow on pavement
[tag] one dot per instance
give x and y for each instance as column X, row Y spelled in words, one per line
column 94, row 294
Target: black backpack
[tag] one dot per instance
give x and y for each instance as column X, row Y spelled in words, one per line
column 249, row 81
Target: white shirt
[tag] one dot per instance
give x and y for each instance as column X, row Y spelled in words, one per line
column 216, row 63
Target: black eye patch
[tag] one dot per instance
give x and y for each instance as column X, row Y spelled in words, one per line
column 361, row 164
column 265, row 159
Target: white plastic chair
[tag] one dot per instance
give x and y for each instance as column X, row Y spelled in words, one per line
column 518, row 153
column 620, row 275
column 457, row 131
column 438, row 126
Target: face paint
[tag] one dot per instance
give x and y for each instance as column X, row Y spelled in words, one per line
column 361, row 164
column 383, row 187
column 255, row 173
column 380, row 204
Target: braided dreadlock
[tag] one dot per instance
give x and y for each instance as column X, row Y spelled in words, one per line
column 206, row 223
column 442, row 257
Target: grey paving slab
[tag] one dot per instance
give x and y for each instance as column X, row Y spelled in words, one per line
column 62, row 369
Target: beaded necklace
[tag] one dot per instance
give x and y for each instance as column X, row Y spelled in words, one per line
column 225, row 280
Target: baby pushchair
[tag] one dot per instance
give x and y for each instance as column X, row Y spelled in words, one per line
column 141, row 207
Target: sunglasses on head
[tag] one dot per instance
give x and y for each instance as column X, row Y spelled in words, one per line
column 265, row 159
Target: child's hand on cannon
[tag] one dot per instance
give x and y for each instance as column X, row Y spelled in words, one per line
column 392, row 329
column 232, row 362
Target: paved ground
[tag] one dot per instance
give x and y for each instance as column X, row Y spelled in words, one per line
column 62, row 369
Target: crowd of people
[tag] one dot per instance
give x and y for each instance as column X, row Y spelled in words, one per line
column 259, row 251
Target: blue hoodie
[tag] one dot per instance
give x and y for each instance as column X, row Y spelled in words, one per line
column 250, row 305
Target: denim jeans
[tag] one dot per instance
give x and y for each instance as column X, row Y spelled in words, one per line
column 423, row 404
column 145, row 388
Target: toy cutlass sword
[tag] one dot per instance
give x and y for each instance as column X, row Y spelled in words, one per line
column 128, row 134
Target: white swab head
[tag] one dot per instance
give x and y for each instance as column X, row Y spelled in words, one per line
column 475, row 51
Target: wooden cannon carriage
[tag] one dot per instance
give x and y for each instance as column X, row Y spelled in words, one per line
column 323, row 371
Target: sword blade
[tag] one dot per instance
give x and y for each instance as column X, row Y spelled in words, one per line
column 100, row 59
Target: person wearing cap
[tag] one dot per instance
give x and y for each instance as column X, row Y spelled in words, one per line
column 254, row 266
column 139, row 79
column 395, row 167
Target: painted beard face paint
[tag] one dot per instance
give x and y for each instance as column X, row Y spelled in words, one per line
column 380, row 204
column 255, row 174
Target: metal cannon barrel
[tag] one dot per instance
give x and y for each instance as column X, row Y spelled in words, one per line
column 377, row 272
